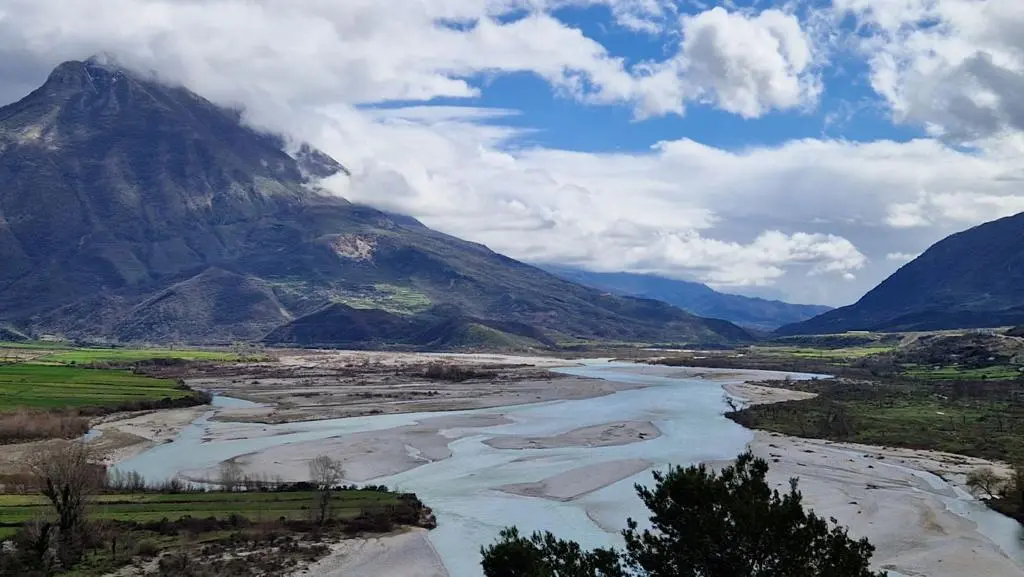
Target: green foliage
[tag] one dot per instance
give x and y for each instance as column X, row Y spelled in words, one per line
column 544, row 555
column 947, row 373
column 981, row 418
column 703, row 524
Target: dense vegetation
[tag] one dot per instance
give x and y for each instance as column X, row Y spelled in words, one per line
column 703, row 524
column 981, row 419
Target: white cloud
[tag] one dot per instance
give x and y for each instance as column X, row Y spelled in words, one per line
column 955, row 66
column 901, row 257
column 322, row 52
column 797, row 216
column 749, row 65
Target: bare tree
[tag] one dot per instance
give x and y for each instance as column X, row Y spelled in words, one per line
column 66, row 475
column 231, row 475
column 985, row 480
column 325, row 473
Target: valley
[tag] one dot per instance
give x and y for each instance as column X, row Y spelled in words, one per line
column 214, row 363
column 472, row 437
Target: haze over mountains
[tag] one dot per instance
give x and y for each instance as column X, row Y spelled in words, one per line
column 695, row 297
column 135, row 211
column 971, row 279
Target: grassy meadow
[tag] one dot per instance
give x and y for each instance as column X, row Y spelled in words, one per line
column 45, row 386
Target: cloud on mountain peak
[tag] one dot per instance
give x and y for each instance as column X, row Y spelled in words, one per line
column 396, row 91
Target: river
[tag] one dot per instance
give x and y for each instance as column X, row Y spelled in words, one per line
column 464, row 489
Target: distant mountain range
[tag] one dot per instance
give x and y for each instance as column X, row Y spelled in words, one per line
column 135, row 211
column 971, row 279
column 694, row 297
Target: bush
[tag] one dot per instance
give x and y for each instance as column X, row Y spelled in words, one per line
column 25, row 425
column 147, row 549
column 441, row 371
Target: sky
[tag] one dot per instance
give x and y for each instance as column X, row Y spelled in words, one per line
column 801, row 150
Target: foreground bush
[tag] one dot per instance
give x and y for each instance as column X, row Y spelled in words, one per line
column 704, row 524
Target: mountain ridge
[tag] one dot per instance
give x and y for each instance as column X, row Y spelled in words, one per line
column 970, row 279
column 132, row 210
column 694, row 297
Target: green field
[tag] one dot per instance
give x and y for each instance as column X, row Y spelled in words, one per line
column 41, row 386
column 392, row 298
column 998, row 372
column 254, row 506
column 86, row 356
column 986, row 429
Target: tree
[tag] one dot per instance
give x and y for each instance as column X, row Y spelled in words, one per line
column 66, row 475
column 544, row 555
column 703, row 524
column 1014, row 490
column 325, row 473
column 985, row 480
column 230, row 475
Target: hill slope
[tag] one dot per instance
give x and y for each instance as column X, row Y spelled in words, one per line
column 971, row 279
column 695, row 298
column 131, row 210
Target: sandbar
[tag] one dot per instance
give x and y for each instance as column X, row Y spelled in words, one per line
column 605, row 435
column 578, row 482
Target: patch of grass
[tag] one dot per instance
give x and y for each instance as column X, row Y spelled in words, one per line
column 41, row 386
column 999, row 372
column 391, row 298
column 89, row 356
column 980, row 419
column 150, row 507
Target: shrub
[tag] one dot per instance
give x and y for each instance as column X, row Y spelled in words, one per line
column 28, row 425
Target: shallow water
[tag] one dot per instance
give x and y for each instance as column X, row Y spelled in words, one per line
column 463, row 490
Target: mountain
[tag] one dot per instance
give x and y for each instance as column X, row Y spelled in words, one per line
column 971, row 279
column 694, row 297
column 135, row 211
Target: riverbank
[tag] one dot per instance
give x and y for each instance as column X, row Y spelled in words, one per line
column 406, row 554
column 902, row 500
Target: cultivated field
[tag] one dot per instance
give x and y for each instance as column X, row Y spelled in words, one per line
column 44, row 386
column 256, row 507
